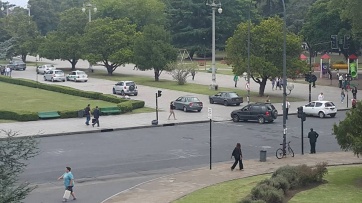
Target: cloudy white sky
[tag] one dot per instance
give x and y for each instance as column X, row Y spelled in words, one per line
column 21, row 3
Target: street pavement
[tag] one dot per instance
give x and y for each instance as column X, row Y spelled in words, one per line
column 172, row 187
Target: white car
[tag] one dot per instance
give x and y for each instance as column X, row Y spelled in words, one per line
column 77, row 76
column 45, row 68
column 54, row 75
column 320, row 108
column 125, row 88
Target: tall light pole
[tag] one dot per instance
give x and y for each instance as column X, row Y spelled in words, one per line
column 248, row 97
column 28, row 6
column 284, row 78
column 214, row 6
column 89, row 6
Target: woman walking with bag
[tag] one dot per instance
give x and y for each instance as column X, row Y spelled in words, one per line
column 172, row 107
column 238, row 156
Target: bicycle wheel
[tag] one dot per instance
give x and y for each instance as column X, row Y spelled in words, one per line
column 279, row 153
column 290, row 151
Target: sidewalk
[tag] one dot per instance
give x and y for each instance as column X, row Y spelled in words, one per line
column 172, row 187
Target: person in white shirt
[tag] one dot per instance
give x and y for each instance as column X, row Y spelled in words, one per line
column 321, row 97
column 287, row 108
column 340, row 80
column 7, row 71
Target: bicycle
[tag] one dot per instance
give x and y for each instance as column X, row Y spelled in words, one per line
column 280, row 153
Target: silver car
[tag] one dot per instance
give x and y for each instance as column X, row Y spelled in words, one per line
column 44, row 68
column 54, row 75
column 188, row 103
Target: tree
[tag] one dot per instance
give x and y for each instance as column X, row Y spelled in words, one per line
column 348, row 131
column 14, row 154
column 266, row 51
column 181, row 71
column 109, row 42
column 65, row 43
column 153, row 50
column 352, row 13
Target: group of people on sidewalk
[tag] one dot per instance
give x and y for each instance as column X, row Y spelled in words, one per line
column 5, row 71
column 96, row 114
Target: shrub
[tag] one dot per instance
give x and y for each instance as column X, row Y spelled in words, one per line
column 19, row 116
column 289, row 173
column 279, row 182
column 248, row 200
column 309, row 175
column 137, row 104
column 68, row 114
column 267, row 193
column 125, row 106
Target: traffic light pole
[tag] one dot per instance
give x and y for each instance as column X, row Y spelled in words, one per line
column 310, row 73
column 302, row 140
column 157, row 107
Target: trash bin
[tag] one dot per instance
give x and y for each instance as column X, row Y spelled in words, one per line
column 80, row 113
column 262, row 155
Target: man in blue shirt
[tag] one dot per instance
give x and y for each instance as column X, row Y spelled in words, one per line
column 68, row 181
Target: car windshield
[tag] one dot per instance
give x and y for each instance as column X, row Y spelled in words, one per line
column 193, row 99
column 329, row 104
column 233, row 94
column 59, row 72
column 270, row 107
column 129, row 83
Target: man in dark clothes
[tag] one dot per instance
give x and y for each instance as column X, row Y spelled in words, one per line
column 87, row 114
column 237, row 154
column 312, row 135
column 96, row 114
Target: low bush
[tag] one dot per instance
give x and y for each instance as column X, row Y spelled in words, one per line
column 290, row 173
column 267, row 193
column 19, row 116
column 309, row 175
column 137, row 104
column 125, row 106
column 68, row 114
column 279, row 182
column 248, row 200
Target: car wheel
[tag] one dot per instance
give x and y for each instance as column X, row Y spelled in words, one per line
column 63, row 80
column 271, row 121
column 235, row 118
column 238, row 104
column 67, row 79
column 185, row 109
column 136, row 94
column 211, row 101
column 261, row 120
column 333, row 115
column 114, row 91
column 122, row 93
column 226, row 103
column 86, row 81
column 199, row 110
column 321, row 115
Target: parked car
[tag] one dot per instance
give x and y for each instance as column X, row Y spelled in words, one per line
column 125, row 88
column 261, row 112
column 17, row 65
column 44, row 68
column 77, row 75
column 54, row 75
column 188, row 103
column 226, row 98
column 320, row 108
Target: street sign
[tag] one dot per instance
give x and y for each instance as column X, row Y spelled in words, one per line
column 247, row 86
column 209, row 113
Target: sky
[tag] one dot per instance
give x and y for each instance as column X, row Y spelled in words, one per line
column 21, row 3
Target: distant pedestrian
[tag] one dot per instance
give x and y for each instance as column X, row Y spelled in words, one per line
column 278, row 83
column 340, row 80
column 312, row 135
column 172, row 108
column 273, row 83
column 267, row 99
column 236, row 78
column 321, row 97
column 96, row 114
column 354, row 92
column 8, row 71
column 68, row 183
column 193, row 73
column 342, row 95
column 287, row 106
column 354, row 103
column 238, row 156
column 87, row 114
column 281, row 83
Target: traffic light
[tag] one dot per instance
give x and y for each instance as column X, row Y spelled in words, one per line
column 346, row 42
column 334, row 41
column 159, row 93
column 301, row 113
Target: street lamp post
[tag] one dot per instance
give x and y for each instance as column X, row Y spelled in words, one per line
column 214, row 6
column 89, row 6
column 284, row 79
column 248, row 97
column 29, row 11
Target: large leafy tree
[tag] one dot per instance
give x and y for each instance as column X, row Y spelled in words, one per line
column 266, row 51
column 65, row 43
column 352, row 13
column 14, row 155
column 20, row 27
column 109, row 42
column 348, row 131
column 153, row 50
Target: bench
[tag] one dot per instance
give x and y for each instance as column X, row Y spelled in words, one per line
column 110, row 110
column 48, row 114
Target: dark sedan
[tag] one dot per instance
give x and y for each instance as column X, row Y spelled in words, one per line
column 188, row 103
column 226, row 98
column 17, row 65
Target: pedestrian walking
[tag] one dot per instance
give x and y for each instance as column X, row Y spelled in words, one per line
column 287, row 106
column 273, row 83
column 172, row 107
column 87, row 114
column 354, row 92
column 68, row 184
column 281, row 82
column 96, row 114
column 7, row 71
column 342, row 96
column 236, row 78
column 238, row 156
column 193, row 73
column 312, row 135
column 267, row 99
column 340, row 80
column 321, row 97
column 278, row 83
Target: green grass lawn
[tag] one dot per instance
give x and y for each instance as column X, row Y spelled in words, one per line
column 344, row 185
column 192, row 88
column 20, row 98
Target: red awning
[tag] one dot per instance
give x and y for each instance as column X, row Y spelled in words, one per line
column 325, row 56
column 353, row 57
column 303, row 57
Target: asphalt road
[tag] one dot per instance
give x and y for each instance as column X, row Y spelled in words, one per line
column 106, row 163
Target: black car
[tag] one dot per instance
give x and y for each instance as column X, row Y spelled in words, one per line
column 226, row 98
column 261, row 112
column 17, row 65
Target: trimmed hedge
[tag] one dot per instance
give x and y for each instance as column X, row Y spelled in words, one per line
column 125, row 105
